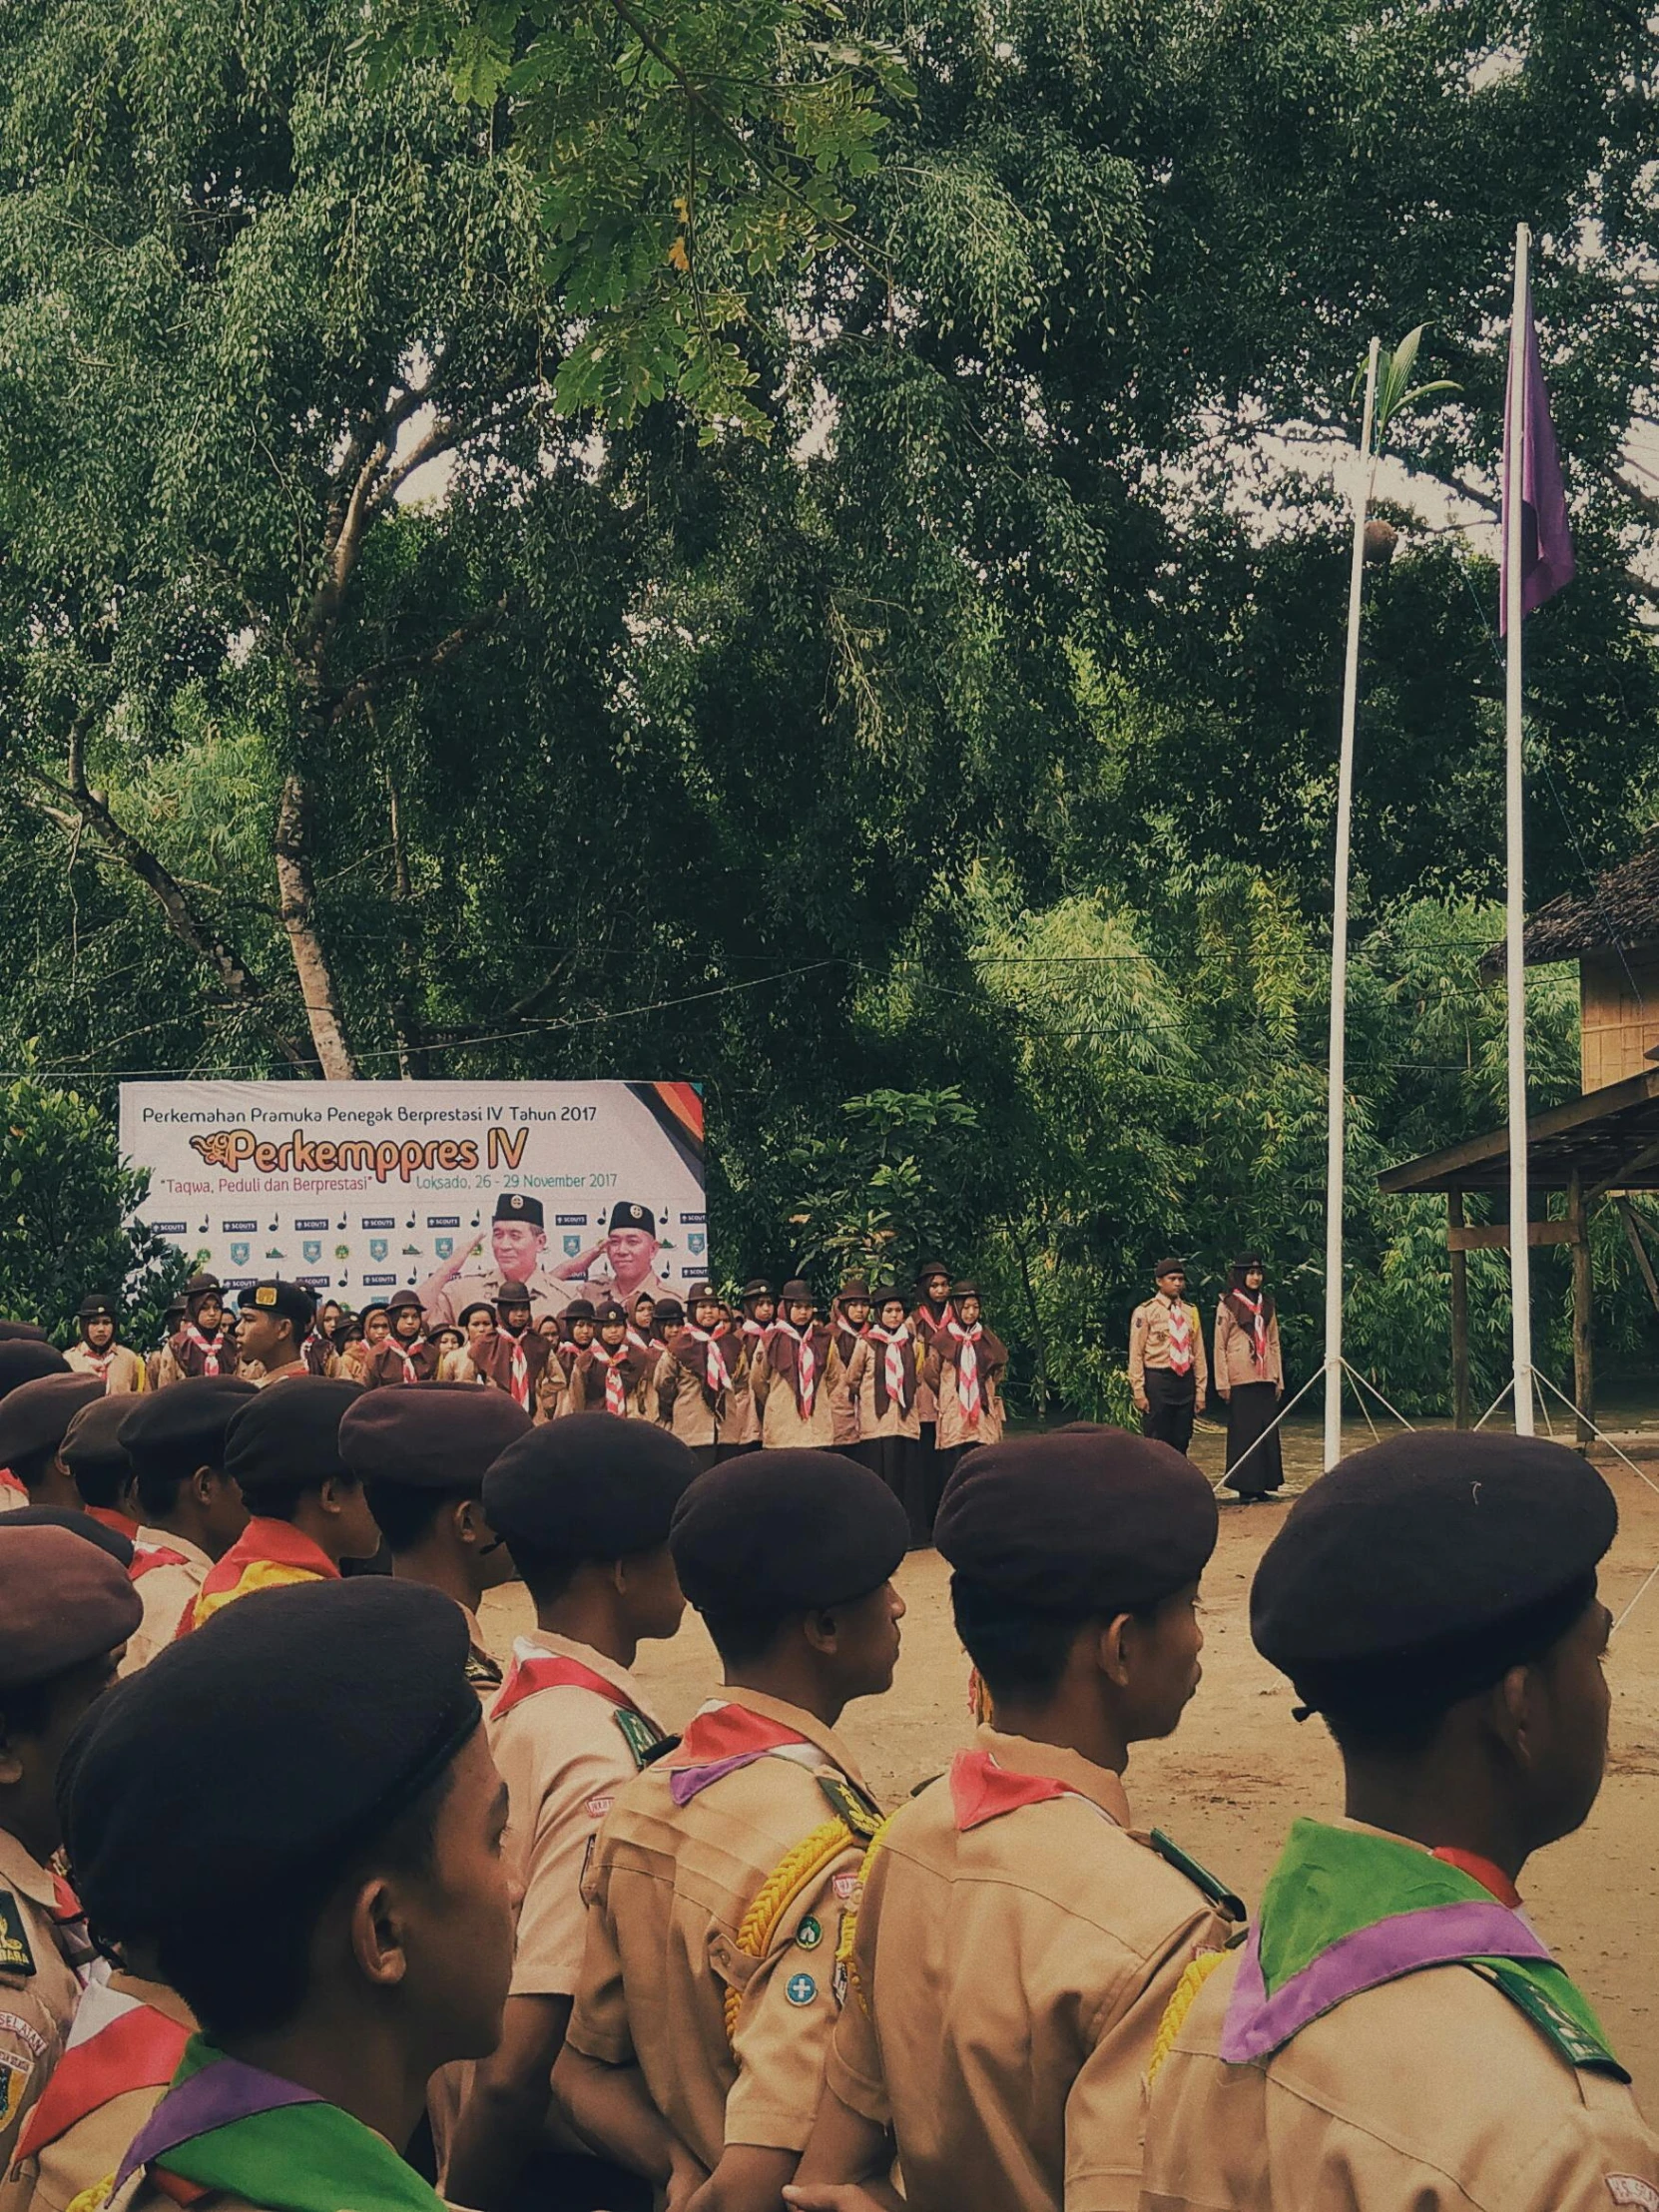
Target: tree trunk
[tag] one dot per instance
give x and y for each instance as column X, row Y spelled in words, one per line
column 297, row 906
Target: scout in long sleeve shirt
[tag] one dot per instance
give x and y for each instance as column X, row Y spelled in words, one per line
column 796, row 1375
column 96, row 1351
column 1168, row 1372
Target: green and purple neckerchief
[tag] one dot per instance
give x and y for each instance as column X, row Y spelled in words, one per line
column 226, row 2126
column 1346, row 1910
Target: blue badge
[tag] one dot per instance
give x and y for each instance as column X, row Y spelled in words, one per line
column 801, row 1989
column 238, row 1254
column 573, row 1246
column 445, row 1247
column 312, row 1248
column 376, row 1248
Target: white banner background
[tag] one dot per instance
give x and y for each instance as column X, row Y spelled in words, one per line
column 248, row 1177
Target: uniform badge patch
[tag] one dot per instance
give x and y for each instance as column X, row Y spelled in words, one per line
column 846, row 1887
column 801, row 1989
column 638, row 1734
column 838, row 1981
column 810, row 1934
column 15, row 2070
column 597, row 1807
column 24, row 2031
column 15, row 1954
column 1632, row 2190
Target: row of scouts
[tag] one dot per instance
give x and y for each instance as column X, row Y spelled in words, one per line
column 905, row 1391
column 320, row 1909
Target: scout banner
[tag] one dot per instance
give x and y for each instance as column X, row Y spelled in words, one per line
column 355, row 1189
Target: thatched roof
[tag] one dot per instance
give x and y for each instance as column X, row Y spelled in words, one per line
column 1622, row 911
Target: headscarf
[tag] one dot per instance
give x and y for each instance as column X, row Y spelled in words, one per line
column 1254, row 1314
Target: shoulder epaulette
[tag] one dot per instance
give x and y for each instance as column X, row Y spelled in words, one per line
column 638, row 1734
column 849, row 1804
column 1522, row 1982
column 1200, row 1878
column 660, row 1751
column 16, row 1955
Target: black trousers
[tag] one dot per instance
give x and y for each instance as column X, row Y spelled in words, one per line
column 1171, row 1401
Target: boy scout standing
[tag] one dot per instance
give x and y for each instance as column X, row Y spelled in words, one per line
column 707, row 1993
column 66, row 1610
column 1396, row 2032
column 584, row 1505
column 277, row 1322
column 1168, row 1371
column 189, row 1510
column 796, row 1375
column 96, row 1351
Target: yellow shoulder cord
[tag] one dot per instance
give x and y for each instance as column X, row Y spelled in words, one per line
column 94, row 2199
column 794, row 1874
column 1179, row 2004
column 844, row 1962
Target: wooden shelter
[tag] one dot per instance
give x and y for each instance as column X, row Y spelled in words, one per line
column 1597, row 1147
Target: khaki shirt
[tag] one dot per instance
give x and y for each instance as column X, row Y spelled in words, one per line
column 952, row 1426
column 677, row 1392
column 1149, row 1342
column 860, row 1380
column 164, row 1592
column 1236, row 1356
column 668, row 1892
column 126, row 1371
column 1008, row 1979
column 563, row 1758
column 39, row 1992
column 90, row 2150
column 782, row 1425
column 740, row 1422
column 1432, row 2093
column 447, row 1301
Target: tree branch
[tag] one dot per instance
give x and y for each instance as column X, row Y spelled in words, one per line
column 298, row 907
column 364, row 687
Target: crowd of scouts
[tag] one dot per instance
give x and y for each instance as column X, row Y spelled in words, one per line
column 309, row 1904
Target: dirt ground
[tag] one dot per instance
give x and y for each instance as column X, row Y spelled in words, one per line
column 1227, row 1784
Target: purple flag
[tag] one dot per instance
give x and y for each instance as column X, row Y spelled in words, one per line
column 1545, row 537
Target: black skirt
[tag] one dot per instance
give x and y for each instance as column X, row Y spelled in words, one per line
column 1254, row 1467
column 905, row 1469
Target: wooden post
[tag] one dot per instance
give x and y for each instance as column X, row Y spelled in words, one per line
column 1583, row 1310
column 1461, row 1409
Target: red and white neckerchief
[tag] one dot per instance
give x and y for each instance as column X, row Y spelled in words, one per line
column 210, row 1351
column 518, row 1370
column 716, row 1374
column 892, row 1360
column 752, row 1327
column 411, row 1374
column 806, row 1365
column 616, row 1390
column 1180, row 1337
column 100, row 1362
column 1257, row 1310
column 969, row 1395
column 644, row 1345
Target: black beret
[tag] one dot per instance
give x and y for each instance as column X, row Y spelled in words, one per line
column 589, row 1486
column 63, row 1600
column 1431, row 1564
column 181, row 1428
column 668, row 1311
column 92, row 1442
column 626, row 1215
column 291, row 1299
column 431, row 1436
column 1084, row 1521
column 33, row 1418
column 778, row 1530
column 1168, row 1266
column 610, row 1314
column 25, row 1359
column 120, row 1548
column 262, row 1751
column 514, row 1206
column 95, row 1304
column 290, row 1433
column 21, row 1332
column 578, row 1309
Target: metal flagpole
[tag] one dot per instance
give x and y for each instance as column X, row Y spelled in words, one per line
column 1520, row 1252
column 1334, row 1159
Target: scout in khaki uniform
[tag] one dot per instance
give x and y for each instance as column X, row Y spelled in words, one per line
column 932, row 1310
column 885, row 1377
column 476, row 1323
column 420, row 1451
column 964, row 1368
column 277, row 1320
column 200, row 1344
column 579, row 1328
column 848, row 1318
column 708, row 1992
column 344, row 1818
column 694, row 1375
column 172, row 1322
column 408, row 1354
column 96, row 1351
column 66, row 1610
column 1018, row 1941
column 585, row 1506
column 740, row 1423
column 308, row 1509
column 796, row 1375
column 1250, row 1380
column 33, row 1418
column 1396, row 2032
column 1168, row 1372
column 514, row 1358
column 615, row 1376
column 189, row 1510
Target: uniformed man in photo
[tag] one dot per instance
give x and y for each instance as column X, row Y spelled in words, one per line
column 96, row 1349
column 1397, row 2033
column 277, row 1319
column 626, row 1257
column 1018, row 1938
column 1168, row 1373
column 190, row 1511
column 518, row 1254
column 200, row 1344
column 708, row 1992
column 584, row 1505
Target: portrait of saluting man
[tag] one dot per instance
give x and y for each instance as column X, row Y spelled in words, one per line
column 629, row 1249
column 518, row 1248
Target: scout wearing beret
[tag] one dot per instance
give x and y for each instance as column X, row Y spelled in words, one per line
column 190, row 1512
column 1017, row 1942
column 66, row 1610
column 201, row 1344
column 885, row 1377
column 740, row 1423
column 516, row 1358
column 477, row 1320
column 23, row 1359
column 21, row 1332
column 310, row 1770
column 612, row 1377
column 963, row 1367
column 420, row 1451
column 96, row 1351
column 584, row 1505
column 1168, row 1371
column 697, row 1374
column 98, row 1465
column 277, row 1319
column 33, row 1422
column 518, row 1248
column 408, row 1354
column 1396, row 2032
column 707, row 1987
column 848, row 1318
column 796, row 1374
column 307, row 1512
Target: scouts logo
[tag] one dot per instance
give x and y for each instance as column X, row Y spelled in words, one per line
column 697, row 1241
column 810, row 1934
column 801, row 1989
column 515, row 1202
column 573, row 1246
column 265, row 1295
column 443, row 1247
column 312, row 1248
column 376, row 1248
column 238, row 1254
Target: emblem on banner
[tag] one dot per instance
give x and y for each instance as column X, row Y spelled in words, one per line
column 376, row 1248
column 697, row 1241
column 443, row 1247
column 312, row 1248
column 239, row 1256
column 573, row 1246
